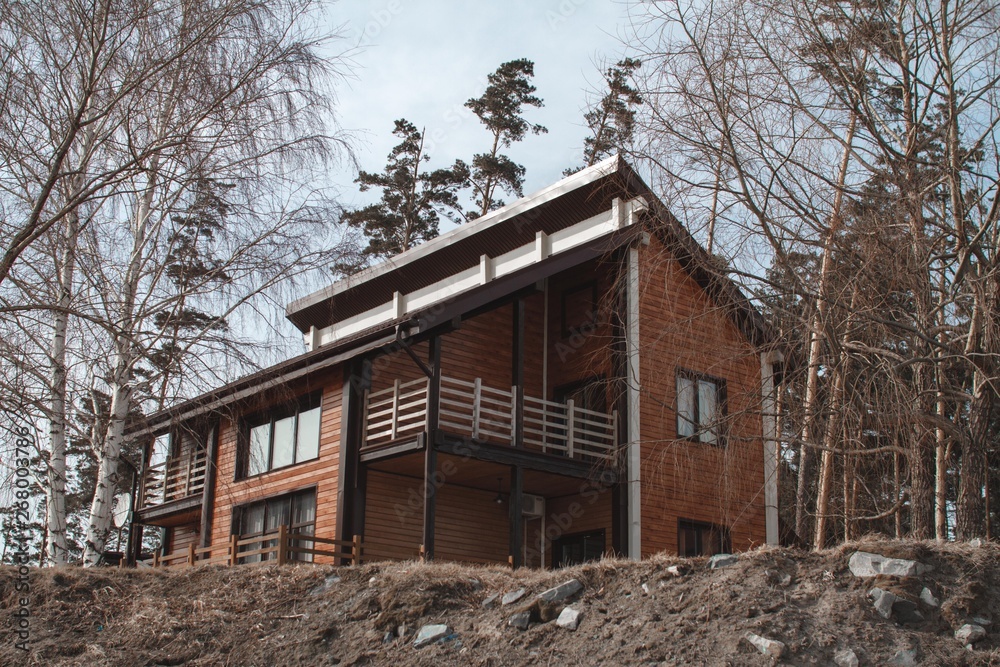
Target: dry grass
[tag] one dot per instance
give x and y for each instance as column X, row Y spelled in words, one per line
column 267, row 615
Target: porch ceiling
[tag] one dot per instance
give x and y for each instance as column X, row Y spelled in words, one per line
column 482, row 475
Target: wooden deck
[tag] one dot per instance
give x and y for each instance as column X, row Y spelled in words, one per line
column 489, row 414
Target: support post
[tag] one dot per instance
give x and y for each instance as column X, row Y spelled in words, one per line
column 430, row 467
column 190, row 559
column 351, row 475
column 356, row 550
column 434, row 387
column 516, row 516
column 282, row 544
column 517, row 373
column 208, row 492
column 233, row 549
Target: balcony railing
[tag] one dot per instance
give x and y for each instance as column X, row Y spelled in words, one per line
column 176, row 478
column 489, row 414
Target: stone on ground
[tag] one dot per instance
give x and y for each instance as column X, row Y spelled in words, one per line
column 521, row 620
column 512, row 597
column 846, row 658
column 864, row 564
column 769, row 647
column 569, row 618
column 562, row 591
column 430, row 633
column 970, row 633
column 722, row 560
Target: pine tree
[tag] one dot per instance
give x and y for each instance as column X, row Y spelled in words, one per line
column 500, row 109
column 412, row 200
column 612, row 120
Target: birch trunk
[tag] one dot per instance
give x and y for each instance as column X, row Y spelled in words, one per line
column 99, row 527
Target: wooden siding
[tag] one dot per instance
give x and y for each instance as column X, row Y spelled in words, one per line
column 680, row 327
column 181, row 537
column 568, row 515
column 469, row 526
column 320, row 473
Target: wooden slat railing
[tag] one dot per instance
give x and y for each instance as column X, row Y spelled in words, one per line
column 488, row 414
column 280, row 547
column 179, row 477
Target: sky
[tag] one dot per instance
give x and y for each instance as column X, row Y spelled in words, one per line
column 422, row 59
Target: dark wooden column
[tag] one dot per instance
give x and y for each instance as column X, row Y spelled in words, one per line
column 516, row 516
column 430, row 454
column 208, row 493
column 352, row 478
column 517, row 372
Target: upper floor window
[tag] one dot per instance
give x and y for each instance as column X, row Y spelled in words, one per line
column 701, row 402
column 282, row 437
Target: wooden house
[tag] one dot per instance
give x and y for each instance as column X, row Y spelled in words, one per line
column 565, row 377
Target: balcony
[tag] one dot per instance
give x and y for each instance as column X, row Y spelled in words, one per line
column 173, row 489
column 489, row 414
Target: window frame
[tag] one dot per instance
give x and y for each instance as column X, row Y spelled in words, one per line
column 270, row 417
column 582, row 535
column 722, row 408
column 725, row 537
column 240, row 511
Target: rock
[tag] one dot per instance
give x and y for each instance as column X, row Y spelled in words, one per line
column 645, row 588
column 904, row 658
column 883, row 601
column 981, row 620
column 928, row 598
column 476, row 584
column 403, row 631
column 769, row 647
column 721, row 560
column 490, row 602
column 430, row 633
column 562, row 591
column 678, row 570
column 569, row 618
column 512, row 597
column 970, row 633
column 520, row 620
column 372, row 580
column 389, row 637
column 864, row 564
column 846, row 658
column 975, row 542
column 328, row 583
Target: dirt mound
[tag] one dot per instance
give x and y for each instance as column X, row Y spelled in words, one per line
column 632, row 613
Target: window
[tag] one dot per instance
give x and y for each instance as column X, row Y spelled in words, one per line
column 282, row 438
column 297, row 512
column 578, row 308
column 578, row 548
column 701, row 406
column 701, row 539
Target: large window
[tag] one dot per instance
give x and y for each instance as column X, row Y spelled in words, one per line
column 695, row 538
column 701, row 407
column 282, row 438
column 296, row 511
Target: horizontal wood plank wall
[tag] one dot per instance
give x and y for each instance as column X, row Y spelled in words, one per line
column 470, row 526
column 181, row 537
column 585, row 352
column 680, row 326
column 393, row 517
column 481, row 348
column 321, row 472
column 397, row 364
